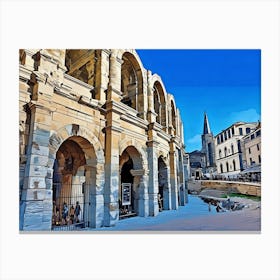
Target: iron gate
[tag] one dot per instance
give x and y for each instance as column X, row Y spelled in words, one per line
column 70, row 207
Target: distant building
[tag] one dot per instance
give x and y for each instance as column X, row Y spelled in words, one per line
column 252, row 145
column 208, row 147
column 230, row 150
column 197, row 164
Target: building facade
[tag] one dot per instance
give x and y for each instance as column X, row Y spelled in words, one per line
column 100, row 139
column 230, row 150
column 252, row 146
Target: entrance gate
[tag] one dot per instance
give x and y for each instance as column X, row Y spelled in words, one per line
column 70, row 207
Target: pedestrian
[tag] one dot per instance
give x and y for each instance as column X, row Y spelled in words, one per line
column 77, row 212
column 64, row 212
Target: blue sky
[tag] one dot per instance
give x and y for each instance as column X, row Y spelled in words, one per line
column 224, row 83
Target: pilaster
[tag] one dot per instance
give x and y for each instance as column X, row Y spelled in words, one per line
column 36, row 197
column 173, row 175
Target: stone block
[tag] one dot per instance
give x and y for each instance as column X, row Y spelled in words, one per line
column 39, row 150
column 34, row 182
column 36, row 171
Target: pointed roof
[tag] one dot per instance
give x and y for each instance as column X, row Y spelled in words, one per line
column 206, row 127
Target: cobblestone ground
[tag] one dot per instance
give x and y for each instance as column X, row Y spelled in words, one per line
column 195, row 216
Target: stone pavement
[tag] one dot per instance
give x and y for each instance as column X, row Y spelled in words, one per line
column 195, row 216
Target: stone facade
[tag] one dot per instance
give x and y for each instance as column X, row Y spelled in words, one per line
column 91, row 121
column 252, row 146
column 230, row 152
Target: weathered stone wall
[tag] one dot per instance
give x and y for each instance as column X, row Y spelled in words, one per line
column 243, row 188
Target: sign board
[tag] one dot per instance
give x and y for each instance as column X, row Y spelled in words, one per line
column 126, row 193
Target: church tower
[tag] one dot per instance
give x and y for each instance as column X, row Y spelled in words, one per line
column 208, row 146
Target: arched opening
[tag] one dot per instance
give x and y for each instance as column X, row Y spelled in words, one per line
column 130, row 176
column 159, row 104
column 173, row 117
column 221, row 168
column 227, row 166
column 220, row 154
column 132, row 83
column 163, row 192
column 234, row 166
column 232, row 149
column 225, row 151
column 81, row 64
column 72, row 180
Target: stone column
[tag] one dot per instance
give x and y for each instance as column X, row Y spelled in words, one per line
column 143, row 198
column 167, row 191
column 101, row 74
column 182, row 179
column 36, row 198
column 173, row 176
column 151, row 112
column 94, row 197
column 153, row 176
column 113, row 132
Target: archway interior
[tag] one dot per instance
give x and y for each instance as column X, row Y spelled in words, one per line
column 81, row 64
column 69, row 184
column 162, row 182
column 159, row 104
column 131, row 82
column 173, row 117
column 130, row 161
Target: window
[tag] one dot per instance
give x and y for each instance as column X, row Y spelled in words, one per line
column 218, row 140
column 249, row 150
column 252, row 136
column 221, row 167
column 248, row 130
column 229, row 136
column 239, row 146
column 222, row 138
column 234, row 166
column 227, row 167
column 251, row 161
column 232, row 130
column 240, row 131
column 259, row 158
column 258, row 147
column 225, row 133
column 225, row 151
column 220, row 154
column 258, row 133
column 232, row 149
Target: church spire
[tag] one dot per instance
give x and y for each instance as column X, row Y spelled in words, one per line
column 206, row 127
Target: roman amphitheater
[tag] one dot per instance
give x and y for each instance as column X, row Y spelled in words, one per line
column 100, row 140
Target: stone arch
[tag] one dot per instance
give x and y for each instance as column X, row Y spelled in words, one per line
column 160, row 100
column 164, row 156
column 80, row 64
column 132, row 80
column 92, row 167
column 126, row 143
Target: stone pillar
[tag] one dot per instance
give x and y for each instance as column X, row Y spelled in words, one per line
column 153, row 176
column 167, row 191
column 36, row 197
column 113, row 132
column 173, row 176
column 95, row 199
column 101, row 74
column 143, row 198
column 182, row 179
column 151, row 112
